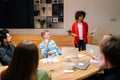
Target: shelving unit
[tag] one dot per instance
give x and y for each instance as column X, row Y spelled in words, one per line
column 50, row 10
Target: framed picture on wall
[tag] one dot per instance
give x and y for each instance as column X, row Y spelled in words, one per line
column 55, row 19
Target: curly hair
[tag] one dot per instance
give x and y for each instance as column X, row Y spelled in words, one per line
column 79, row 13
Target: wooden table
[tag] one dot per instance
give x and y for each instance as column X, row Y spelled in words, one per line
column 59, row 67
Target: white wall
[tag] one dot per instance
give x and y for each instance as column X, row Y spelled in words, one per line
column 101, row 14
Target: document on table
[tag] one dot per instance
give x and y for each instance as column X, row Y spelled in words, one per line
column 81, row 55
column 50, row 60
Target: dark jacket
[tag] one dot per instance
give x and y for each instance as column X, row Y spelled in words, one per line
column 6, row 53
column 112, row 74
column 109, row 74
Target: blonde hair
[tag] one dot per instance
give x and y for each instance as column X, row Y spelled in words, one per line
column 43, row 33
column 106, row 37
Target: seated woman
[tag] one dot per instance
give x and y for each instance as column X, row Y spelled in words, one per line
column 48, row 45
column 24, row 64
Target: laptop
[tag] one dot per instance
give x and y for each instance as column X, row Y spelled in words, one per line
column 82, row 65
column 69, row 51
column 93, row 49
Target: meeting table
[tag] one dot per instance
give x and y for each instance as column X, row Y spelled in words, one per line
column 58, row 69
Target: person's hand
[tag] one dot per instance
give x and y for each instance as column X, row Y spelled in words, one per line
column 93, row 57
column 46, row 43
column 100, row 60
column 74, row 35
column 102, row 64
column 46, row 40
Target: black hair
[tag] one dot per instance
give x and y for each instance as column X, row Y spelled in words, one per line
column 79, row 13
column 3, row 34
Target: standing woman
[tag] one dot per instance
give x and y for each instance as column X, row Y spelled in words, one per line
column 24, row 64
column 80, row 30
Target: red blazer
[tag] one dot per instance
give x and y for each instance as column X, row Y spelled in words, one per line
column 84, row 31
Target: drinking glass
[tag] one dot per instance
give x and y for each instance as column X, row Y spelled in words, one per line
column 50, row 57
column 50, row 60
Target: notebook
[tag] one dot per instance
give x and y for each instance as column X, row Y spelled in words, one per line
column 82, row 65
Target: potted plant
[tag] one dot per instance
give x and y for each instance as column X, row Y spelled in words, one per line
column 42, row 22
column 69, row 32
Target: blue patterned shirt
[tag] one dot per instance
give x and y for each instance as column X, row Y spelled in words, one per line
column 52, row 47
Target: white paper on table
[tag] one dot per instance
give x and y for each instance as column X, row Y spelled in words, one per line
column 93, row 61
column 44, row 60
column 56, row 60
column 47, row 60
column 81, row 55
column 68, row 71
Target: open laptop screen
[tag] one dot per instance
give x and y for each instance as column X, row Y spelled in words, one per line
column 92, row 49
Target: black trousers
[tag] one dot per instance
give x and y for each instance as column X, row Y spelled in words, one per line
column 81, row 45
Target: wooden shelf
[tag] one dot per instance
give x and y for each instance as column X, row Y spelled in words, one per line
column 53, row 12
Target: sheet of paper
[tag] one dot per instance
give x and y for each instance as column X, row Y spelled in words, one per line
column 80, row 55
column 93, row 61
column 68, row 71
column 50, row 60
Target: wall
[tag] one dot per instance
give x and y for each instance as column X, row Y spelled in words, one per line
column 103, row 15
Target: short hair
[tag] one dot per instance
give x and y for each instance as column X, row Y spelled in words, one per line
column 79, row 13
column 24, row 62
column 43, row 33
column 3, row 34
column 111, row 50
column 106, row 37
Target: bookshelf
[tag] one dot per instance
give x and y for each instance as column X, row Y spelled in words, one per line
column 50, row 10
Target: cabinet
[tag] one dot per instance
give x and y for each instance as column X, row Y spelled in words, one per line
column 50, row 10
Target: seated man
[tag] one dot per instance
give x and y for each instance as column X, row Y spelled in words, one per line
column 110, row 51
column 48, row 45
column 6, row 49
column 106, row 37
column 109, row 62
